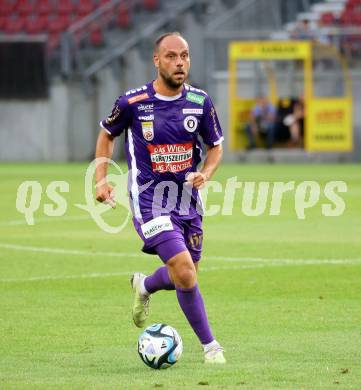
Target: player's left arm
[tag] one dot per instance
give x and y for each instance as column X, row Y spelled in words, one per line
column 211, row 163
column 212, row 136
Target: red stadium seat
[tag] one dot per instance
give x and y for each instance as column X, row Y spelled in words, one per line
column 43, row 22
column 2, row 22
column 123, row 18
column 327, row 18
column 85, row 7
column 45, row 7
column 58, row 24
column 32, row 25
column 6, row 7
column 65, row 7
column 25, row 7
column 65, row 21
column 14, row 25
column 96, row 37
column 353, row 3
column 346, row 18
column 357, row 19
column 151, row 5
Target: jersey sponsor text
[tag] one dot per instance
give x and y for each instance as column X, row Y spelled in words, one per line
column 171, row 157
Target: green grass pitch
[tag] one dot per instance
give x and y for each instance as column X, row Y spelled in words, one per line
column 283, row 295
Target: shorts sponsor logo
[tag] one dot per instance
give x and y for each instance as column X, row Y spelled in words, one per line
column 195, row 98
column 146, row 118
column 197, row 111
column 148, row 130
column 190, row 123
column 138, row 98
column 146, row 107
column 156, row 226
column 171, row 158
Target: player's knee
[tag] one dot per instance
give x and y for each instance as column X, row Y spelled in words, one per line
column 187, row 278
column 182, row 272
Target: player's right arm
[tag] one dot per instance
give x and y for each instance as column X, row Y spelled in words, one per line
column 112, row 126
column 104, row 148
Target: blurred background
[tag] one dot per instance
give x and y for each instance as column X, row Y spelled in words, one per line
column 285, row 75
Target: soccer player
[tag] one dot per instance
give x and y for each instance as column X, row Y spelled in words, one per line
column 164, row 120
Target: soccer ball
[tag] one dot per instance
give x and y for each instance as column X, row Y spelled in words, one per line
column 160, row 346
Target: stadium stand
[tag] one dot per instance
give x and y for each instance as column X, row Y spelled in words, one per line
column 103, row 46
column 55, row 17
column 333, row 22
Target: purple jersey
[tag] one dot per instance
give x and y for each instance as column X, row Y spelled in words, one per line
column 163, row 145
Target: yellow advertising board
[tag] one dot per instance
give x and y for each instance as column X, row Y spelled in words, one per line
column 328, row 121
column 270, row 50
column 329, row 124
column 240, row 117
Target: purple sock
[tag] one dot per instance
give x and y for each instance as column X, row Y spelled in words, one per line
column 159, row 280
column 191, row 302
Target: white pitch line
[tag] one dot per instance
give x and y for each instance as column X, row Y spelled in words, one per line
column 115, row 274
column 79, row 252
column 106, row 275
column 66, row 277
column 61, row 251
column 284, row 261
column 16, row 222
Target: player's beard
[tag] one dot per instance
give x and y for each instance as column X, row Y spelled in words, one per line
column 169, row 80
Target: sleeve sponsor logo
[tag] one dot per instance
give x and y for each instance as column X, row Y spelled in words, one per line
column 143, row 88
column 148, row 130
column 171, row 157
column 190, row 88
column 113, row 116
column 195, row 98
column 138, row 98
column 196, row 111
column 156, row 226
column 213, row 115
column 190, row 123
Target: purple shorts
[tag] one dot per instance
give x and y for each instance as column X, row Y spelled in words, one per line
column 169, row 235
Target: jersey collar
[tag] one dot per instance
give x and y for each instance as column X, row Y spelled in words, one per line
column 166, row 98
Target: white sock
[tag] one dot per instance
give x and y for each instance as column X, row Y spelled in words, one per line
column 142, row 289
column 207, row 347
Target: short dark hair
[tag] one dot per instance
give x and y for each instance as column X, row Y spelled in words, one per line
column 163, row 36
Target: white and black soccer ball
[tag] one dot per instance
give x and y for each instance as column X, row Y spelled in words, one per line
column 160, row 346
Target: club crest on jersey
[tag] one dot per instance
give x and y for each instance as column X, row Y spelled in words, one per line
column 148, row 131
column 190, row 123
